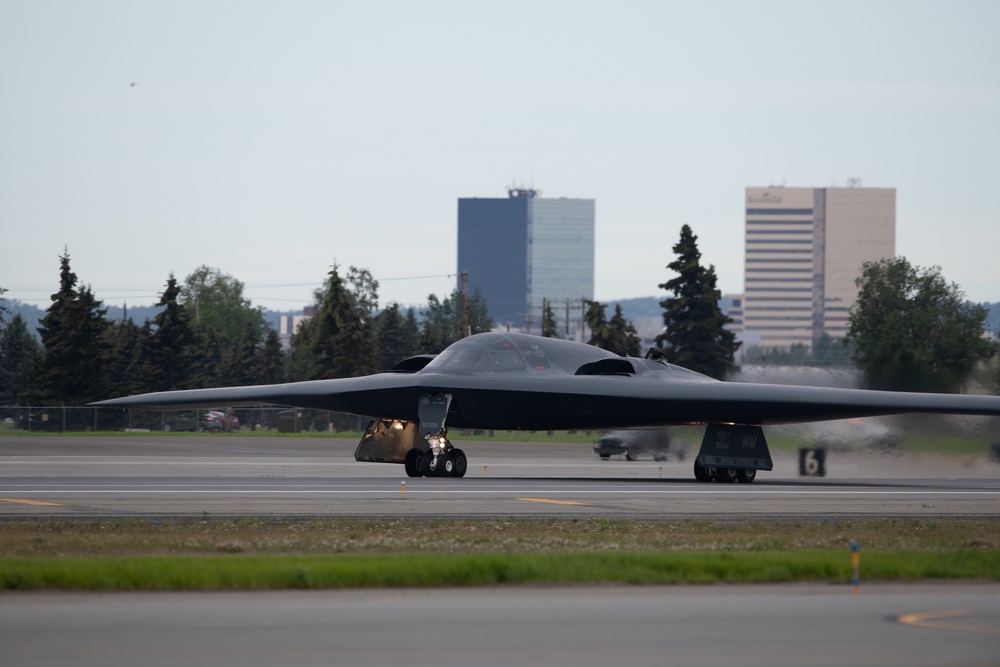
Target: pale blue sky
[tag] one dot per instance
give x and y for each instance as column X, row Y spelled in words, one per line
column 270, row 139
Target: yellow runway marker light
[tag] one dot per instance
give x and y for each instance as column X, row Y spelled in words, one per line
column 25, row 501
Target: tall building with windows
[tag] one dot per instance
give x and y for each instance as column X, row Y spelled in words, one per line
column 804, row 250
column 523, row 249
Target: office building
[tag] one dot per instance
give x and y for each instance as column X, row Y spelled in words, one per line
column 804, row 250
column 523, row 249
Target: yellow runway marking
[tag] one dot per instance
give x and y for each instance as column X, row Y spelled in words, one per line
column 24, row 501
column 930, row 619
column 554, row 502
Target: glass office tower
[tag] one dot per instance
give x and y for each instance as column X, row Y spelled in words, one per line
column 524, row 249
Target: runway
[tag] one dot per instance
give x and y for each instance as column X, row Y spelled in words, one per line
column 178, row 476
column 918, row 625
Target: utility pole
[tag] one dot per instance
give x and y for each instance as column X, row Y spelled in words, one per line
column 465, row 304
column 567, row 319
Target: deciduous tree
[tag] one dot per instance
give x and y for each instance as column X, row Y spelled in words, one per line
column 214, row 300
column 913, row 331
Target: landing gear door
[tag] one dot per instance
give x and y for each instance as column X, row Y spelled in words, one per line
column 431, row 413
column 737, row 447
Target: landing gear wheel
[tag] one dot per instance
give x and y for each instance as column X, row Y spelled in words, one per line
column 725, row 475
column 421, row 464
column 412, row 459
column 702, row 473
column 461, row 463
column 445, row 465
column 746, row 476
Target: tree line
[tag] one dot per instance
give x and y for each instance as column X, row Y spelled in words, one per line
column 909, row 330
column 207, row 334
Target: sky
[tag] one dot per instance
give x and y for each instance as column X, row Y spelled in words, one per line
column 272, row 140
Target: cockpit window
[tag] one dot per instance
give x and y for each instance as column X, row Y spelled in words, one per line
column 496, row 352
column 505, row 359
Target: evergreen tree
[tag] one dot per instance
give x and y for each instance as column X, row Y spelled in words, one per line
column 617, row 335
column 549, row 327
column 443, row 319
column 71, row 371
column 336, row 341
column 625, row 335
column 695, row 334
column 122, row 346
column 19, row 354
column 912, row 331
column 240, row 363
column 597, row 321
column 395, row 341
column 210, row 367
column 271, row 360
column 170, row 362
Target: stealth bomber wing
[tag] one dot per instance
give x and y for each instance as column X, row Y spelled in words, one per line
column 523, row 382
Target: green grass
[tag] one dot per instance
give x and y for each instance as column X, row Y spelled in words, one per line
column 289, row 572
column 255, row 554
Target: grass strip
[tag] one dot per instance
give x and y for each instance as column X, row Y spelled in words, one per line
column 238, row 572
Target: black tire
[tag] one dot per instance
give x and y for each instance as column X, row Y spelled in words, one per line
column 461, row 463
column 725, row 475
column 420, row 464
column 702, row 473
column 631, row 454
column 746, row 476
column 445, row 465
column 412, row 458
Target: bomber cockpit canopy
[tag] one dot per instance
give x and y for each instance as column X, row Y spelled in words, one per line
column 502, row 352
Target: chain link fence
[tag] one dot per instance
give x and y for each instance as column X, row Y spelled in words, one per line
column 75, row 419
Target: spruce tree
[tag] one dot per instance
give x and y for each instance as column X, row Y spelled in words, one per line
column 171, row 359
column 695, row 334
column 19, row 353
column 617, row 335
column 625, row 336
column 395, row 341
column 271, row 360
column 241, row 361
column 210, row 365
column 71, row 371
column 549, row 327
column 122, row 346
column 335, row 342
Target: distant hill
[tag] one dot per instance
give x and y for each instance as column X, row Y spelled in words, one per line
column 649, row 306
column 33, row 314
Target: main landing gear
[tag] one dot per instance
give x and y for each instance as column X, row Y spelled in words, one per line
column 421, row 446
column 732, row 453
column 444, row 461
column 725, row 475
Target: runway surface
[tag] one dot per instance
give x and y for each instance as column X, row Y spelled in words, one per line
column 918, row 625
column 175, row 476
column 178, row 476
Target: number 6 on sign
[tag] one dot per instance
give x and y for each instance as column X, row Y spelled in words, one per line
column 812, row 462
